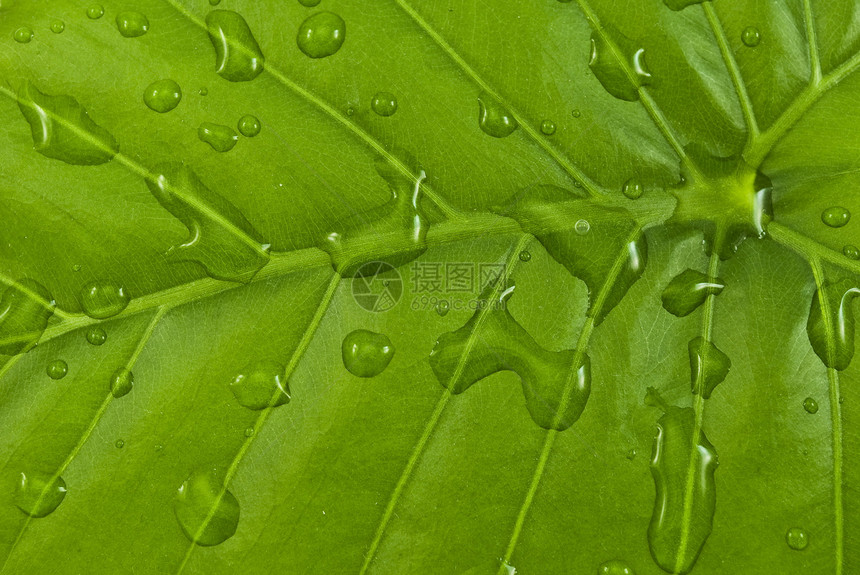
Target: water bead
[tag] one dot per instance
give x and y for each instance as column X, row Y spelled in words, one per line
column 384, row 104
column 249, row 126
column 23, row 35
column 162, row 95
column 751, row 36
column 57, row 369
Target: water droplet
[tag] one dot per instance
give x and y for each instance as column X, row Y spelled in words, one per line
column 321, row 35
column 207, row 512
column 23, row 35
column 249, row 432
column 95, row 12
column 221, row 239
column 576, row 113
column 525, row 256
column 249, row 126
column 204, row 91
column 350, row 111
column 57, row 26
column 119, row 444
column 709, row 366
column 77, row 267
column 162, row 95
column 681, row 4
column 493, row 118
column 547, row 127
column 238, row 57
column 810, row 405
column 839, row 296
column 260, row 385
column 841, row 399
column 159, row 447
column 103, row 299
column 62, row 129
column 443, row 307
column 220, row 138
column 688, row 290
column 851, row 252
column 366, row 353
column 835, row 216
column 384, row 103
column 57, row 369
column 96, row 335
column 309, row 3
column 675, row 512
column 751, row 36
column 39, row 494
column 613, row 74
column 25, row 308
column 121, row 382
column 797, row 538
column 582, row 227
column 132, row 24
column 632, row 189
column 615, row 567
column 631, row 454
column 214, row 2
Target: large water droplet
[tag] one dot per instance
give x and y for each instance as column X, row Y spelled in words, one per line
column 620, row 78
column 57, row 369
column 673, row 458
column 493, row 118
column 384, row 103
column 261, row 384
column 132, row 24
column 841, row 319
column 688, row 290
column 525, row 256
column 207, row 512
column 321, row 35
column 103, row 299
column 62, row 129
column 238, row 57
column 615, row 567
column 96, row 335
column 709, row 366
column 249, row 126
column 547, row 127
column 797, row 538
column 38, row 494
column 25, row 308
column 751, row 36
column 121, row 382
column 23, row 35
column 366, row 353
column 162, row 95
column 221, row 239
column 835, row 216
column 582, row 227
column 810, row 405
column 220, row 138
column 57, row 26
column 851, row 251
column 632, row 189
column 681, row 4
column 95, row 11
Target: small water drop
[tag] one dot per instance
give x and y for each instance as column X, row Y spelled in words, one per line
column 249, row 432
column 525, row 256
column 57, row 26
column 615, row 567
column 260, row 385
column 350, row 111
column 214, row 2
column 632, row 189
column 132, row 24
column 220, row 138
column 688, row 290
column 103, row 299
column 582, row 227
column 77, row 267
column 96, row 335
column 162, row 95
column 576, row 113
column 547, row 127
column 206, row 511
column 95, row 11
column 121, row 382
column 57, row 369
column 810, row 405
column 797, row 538
column 249, row 126
column 238, row 57
column 204, row 91
column 384, row 103
column 366, row 353
column 631, row 454
column 38, row 494
column 158, row 447
column 443, row 307
column 493, row 118
column 119, row 444
column 751, row 36
column 851, row 252
column 835, row 216
column 309, row 3
column 321, row 35
column 23, row 35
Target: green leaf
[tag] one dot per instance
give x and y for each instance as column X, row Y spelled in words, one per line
column 482, row 287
